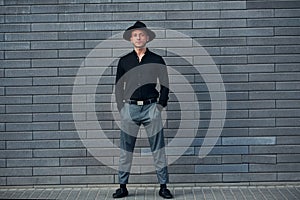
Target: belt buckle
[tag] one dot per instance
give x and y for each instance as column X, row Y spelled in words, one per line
column 140, row 103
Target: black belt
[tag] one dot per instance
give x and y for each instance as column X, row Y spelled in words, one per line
column 142, row 102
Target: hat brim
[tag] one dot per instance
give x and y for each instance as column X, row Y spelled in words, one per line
column 127, row 33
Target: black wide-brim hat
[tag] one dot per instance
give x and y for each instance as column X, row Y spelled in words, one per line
column 141, row 26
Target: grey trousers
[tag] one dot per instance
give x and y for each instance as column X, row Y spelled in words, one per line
column 132, row 117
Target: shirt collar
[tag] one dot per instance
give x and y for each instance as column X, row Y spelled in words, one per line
column 146, row 52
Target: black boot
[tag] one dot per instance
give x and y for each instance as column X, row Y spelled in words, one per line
column 121, row 192
column 164, row 192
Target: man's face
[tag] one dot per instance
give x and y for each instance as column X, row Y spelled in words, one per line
column 139, row 38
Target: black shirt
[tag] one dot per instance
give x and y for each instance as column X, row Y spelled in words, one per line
column 137, row 80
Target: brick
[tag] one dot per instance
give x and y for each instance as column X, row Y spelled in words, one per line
column 31, row 36
column 272, row 4
column 87, row 179
column 165, row 6
column 2, row 163
column 14, row 9
column 260, row 159
column 199, row 141
column 274, row 77
column 193, row 15
column 39, row 180
column 51, row 135
column 32, row 90
column 288, row 158
column 104, row 170
column 249, row 68
column 55, row 81
column 59, row 117
column 192, row 33
column 2, row 126
column 178, row 169
column 31, row 54
column 280, row 167
column 287, row 121
column 274, row 113
column 288, row 104
column 31, row 126
column 16, row 81
column 58, row 153
column 196, row 178
column 88, row 89
column 57, row 26
column 16, row 154
column 73, row 53
column 178, row 150
column 84, row 161
column 191, row 160
column 30, row 72
column 249, row 123
column 56, row 98
column 90, row 143
column 272, row 22
column 223, row 60
column 84, row 35
column 33, row 18
column 272, row 59
column 57, row 45
column 221, row 168
column 287, row 49
column 33, row 162
column 287, row 86
column 283, row 31
column 15, row 45
column 85, row 17
column 15, row 63
column 16, row 136
column 293, row 176
column 15, row 117
column 287, row 12
column 7, row 100
column 219, row 23
column 233, row 50
column 50, row 144
column 288, row 140
column 247, row 177
column 273, row 131
column 279, row 149
column 231, row 159
column 8, row 28
column 260, row 50
column 35, row 108
column 274, row 95
column 139, row 15
column 225, row 150
column 178, row 25
column 223, row 5
column 61, row 63
column 249, row 14
column 246, row 32
column 2, row 110
column 49, row 171
column 25, row 2
column 208, row 5
column 16, row 171
column 101, row 8
column 249, row 86
column 2, row 145
column 57, row 8
column 248, row 141
column 276, row 40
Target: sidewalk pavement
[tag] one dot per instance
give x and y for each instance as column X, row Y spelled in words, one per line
column 149, row 192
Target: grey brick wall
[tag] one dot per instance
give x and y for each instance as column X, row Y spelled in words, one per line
column 255, row 45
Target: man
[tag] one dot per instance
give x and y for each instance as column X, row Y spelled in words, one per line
column 139, row 103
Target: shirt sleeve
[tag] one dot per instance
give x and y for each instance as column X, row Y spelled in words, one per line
column 164, row 84
column 119, row 89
